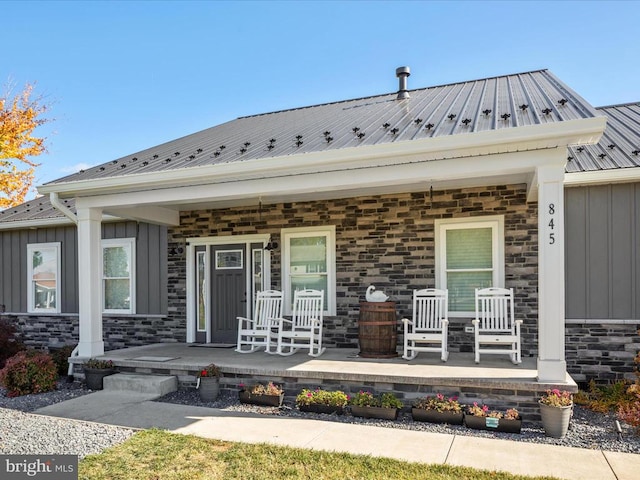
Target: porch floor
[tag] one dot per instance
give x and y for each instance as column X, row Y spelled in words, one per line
column 338, row 365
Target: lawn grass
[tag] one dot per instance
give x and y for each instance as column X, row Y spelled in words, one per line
column 159, row 455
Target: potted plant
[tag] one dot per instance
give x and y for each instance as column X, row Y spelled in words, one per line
column 480, row 417
column 556, row 408
column 209, row 383
column 322, row 401
column 438, row 409
column 366, row 405
column 270, row 394
column 94, row 372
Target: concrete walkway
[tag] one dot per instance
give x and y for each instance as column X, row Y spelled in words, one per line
column 138, row 411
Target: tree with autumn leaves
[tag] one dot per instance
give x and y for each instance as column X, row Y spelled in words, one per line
column 19, row 117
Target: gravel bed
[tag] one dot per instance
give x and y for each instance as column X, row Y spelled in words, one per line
column 24, row 433
column 587, row 429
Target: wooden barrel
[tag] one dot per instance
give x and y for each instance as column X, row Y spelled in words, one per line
column 377, row 332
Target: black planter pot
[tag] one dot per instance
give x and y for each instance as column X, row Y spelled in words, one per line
column 495, row 424
column 262, row 399
column 93, row 377
column 375, row 412
column 433, row 416
column 315, row 408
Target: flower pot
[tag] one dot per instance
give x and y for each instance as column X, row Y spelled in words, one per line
column 383, row 413
column 260, row 399
column 93, row 377
column 495, row 424
column 555, row 420
column 433, row 416
column 316, row 408
column 209, row 388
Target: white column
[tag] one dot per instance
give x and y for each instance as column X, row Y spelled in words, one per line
column 91, row 342
column 552, row 366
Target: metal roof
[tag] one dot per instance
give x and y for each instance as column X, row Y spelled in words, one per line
column 495, row 103
column 619, row 146
column 39, row 209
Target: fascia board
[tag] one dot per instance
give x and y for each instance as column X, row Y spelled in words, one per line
column 36, row 223
column 533, row 137
column 49, row 222
column 618, row 175
column 411, row 172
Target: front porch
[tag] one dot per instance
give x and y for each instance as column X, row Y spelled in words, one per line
column 495, row 381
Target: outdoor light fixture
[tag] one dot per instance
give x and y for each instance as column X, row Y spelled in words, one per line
column 271, row 246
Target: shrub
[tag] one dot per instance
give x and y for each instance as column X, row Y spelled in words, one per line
column 261, row 389
column 10, row 342
column 630, row 412
column 29, row 372
column 211, row 370
column 367, row 399
column 439, row 403
column 98, row 364
column 322, row 397
column 61, row 359
column 605, row 398
column 557, row 398
column 484, row 411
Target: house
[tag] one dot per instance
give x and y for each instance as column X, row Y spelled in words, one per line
column 453, row 186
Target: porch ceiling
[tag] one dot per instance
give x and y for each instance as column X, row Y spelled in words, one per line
column 409, row 173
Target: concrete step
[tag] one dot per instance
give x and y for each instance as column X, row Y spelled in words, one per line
column 131, row 382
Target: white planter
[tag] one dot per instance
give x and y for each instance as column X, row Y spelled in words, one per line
column 555, row 420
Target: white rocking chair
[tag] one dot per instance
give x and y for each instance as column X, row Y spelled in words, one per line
column 304, row 330
column 427, row 331
column 258, row 332
column 494, row 324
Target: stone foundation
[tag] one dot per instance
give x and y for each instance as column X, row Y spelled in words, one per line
column 602, row 350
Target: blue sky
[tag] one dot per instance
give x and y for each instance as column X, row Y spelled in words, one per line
column 124, row 76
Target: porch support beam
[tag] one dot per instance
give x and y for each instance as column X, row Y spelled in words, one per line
column 149, row 214
column 90, row 342
column 552, row 366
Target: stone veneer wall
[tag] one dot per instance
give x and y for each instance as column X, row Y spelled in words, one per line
column 54, row 331
column 602, row 350
column 386, row 240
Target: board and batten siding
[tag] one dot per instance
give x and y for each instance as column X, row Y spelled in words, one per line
column 151, row 264
column 603, row 252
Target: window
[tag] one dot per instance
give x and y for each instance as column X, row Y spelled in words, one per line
column 469, row 255
column 118, row 274
column 201, row 274
column 43, row 270
column 308, row 261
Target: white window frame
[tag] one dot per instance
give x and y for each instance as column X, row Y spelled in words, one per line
column 329, row 232
column 32, row 247
column 130, row 244
column 496, row 223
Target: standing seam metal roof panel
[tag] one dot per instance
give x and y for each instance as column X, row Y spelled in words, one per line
column 446, row 109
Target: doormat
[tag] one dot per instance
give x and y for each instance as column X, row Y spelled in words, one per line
column 213, row 345
column 153, row 359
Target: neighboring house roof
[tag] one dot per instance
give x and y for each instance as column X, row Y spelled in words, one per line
column 619, row 146
column 490, row 104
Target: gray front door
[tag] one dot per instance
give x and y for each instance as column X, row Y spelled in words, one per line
column 228, row 291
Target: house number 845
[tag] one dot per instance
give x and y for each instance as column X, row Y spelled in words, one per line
column 552, row 211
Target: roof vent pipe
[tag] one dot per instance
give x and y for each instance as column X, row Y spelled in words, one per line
column 402, row 73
